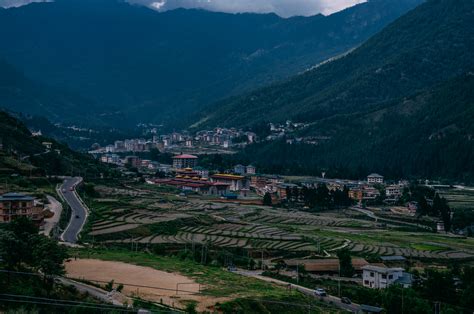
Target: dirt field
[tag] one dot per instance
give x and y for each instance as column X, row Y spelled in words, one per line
column 92, row 269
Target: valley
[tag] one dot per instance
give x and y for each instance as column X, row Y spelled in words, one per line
column 215, row 157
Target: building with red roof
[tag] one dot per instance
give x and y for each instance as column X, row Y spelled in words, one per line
column 184, row 161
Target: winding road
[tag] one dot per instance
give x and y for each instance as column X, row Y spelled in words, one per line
column 79, row 211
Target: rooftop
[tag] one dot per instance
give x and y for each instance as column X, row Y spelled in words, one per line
column 185, row 156
column 322, row 265
column 227, row 176
column 374, row 175
column 380, row 269
column 16, row 197
column 392, row 258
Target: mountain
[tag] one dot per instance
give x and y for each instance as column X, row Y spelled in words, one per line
column 400, row 104
column 142, row 65
column 23, row 153
column 18, row 93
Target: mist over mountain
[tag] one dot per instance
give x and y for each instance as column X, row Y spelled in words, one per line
column 138, row 65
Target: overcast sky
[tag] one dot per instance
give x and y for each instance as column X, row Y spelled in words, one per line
column 283, row 8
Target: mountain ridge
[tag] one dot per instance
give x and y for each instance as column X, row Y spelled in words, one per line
column 137, row 64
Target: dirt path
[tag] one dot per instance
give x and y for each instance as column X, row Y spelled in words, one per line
column 155, row 285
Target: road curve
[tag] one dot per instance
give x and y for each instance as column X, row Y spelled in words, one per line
column 79, row 212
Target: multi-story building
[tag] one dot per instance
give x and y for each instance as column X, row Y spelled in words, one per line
column 394, row 191
column 250, row 169
column 374, row 178
column 14, row 205
column 184, row 161
column 378, row 277
column 236, row 183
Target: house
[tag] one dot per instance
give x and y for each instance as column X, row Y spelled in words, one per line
column 378, row 277
column 235, row 182
column 240, row 169
column 374, row 178
column 203, row 173
column 393, row 191
column 184, row 161
column 133, row 161
column 48, row 145
column 283, row 188
column 14, row 205
column 250, row 169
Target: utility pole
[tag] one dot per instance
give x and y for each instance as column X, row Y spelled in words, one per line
column 297, row 273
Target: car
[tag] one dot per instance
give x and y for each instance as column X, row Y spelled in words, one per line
column 71, row 188
column 320, row 292
column 346, row 300
column 77, row 216
column 63, row 190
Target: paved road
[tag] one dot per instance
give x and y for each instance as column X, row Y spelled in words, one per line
column 354, row 308
column 383, row 219
column 115, row 298
column 79, row 212
column 50, row 223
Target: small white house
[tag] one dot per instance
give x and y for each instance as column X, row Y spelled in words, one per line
column 378, row 277
column 374, row 178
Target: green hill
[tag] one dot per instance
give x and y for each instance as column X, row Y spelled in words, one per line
column 25, row 154
column 400, row 104
column 20, row 94
column 428, row 45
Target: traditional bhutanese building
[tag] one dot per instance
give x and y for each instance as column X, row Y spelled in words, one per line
column 184, row 161
column 236, row 182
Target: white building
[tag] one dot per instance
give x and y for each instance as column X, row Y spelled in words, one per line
column 374, row 178
column 394, row 191
column 378, row 277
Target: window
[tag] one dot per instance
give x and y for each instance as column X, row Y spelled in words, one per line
column 384, row 276
column 366, row 282
column 372, row 274
column 390, row 276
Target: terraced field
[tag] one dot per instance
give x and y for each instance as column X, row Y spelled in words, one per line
column 123, row 219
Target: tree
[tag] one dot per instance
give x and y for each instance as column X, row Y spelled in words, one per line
column 441, row 208
column 267, row 199
column 48, row 256
column 345, row 263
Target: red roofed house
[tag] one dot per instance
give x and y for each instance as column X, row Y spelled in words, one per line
column 184, row 161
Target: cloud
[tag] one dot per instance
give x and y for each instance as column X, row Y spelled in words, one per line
column 18, row 3
column 283, row 8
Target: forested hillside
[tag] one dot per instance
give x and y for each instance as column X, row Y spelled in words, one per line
column 22, row 153
column 401, row 104
column 141, row 65
column 431, row 44
column 20, row 94
column 428, row 135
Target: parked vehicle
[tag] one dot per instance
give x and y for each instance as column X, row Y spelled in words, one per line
column 346, row 300
column 320, row 292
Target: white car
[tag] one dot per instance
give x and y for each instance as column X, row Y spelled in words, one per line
column 320, row 292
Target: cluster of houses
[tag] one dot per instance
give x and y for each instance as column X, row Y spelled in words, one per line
column 244, row 178
column 222, row 137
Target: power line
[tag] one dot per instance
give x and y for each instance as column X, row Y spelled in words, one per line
column 59, row 302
